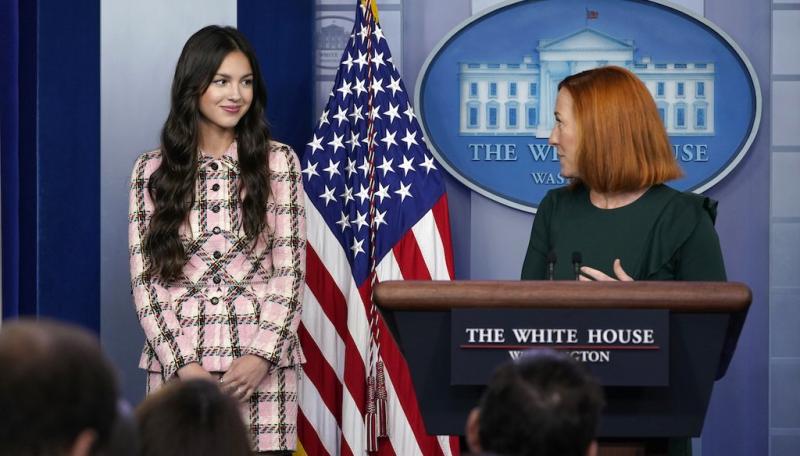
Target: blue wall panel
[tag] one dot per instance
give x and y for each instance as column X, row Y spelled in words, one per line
column 282, row 33
column 68, row 158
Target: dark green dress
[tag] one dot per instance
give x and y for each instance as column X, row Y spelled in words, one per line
column 663, row 235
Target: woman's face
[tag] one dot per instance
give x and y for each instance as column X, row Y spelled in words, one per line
column 228, row 97
column 565, row 135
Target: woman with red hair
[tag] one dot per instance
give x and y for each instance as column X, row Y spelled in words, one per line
column 616, row 217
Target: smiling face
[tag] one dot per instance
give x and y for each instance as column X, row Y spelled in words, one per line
column 228, row 97
column 565, row 134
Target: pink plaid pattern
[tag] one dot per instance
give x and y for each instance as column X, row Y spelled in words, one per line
column 233, row 298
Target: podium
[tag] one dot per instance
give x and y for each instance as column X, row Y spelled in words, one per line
column 704, row 321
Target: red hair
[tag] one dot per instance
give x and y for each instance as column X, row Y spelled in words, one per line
column 622, row 143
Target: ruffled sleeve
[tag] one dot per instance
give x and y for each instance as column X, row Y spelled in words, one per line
column 684, row 244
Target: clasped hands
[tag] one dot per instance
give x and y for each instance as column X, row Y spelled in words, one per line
column 241, row 379
column 594, row 274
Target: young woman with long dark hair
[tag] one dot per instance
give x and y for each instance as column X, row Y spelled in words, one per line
column 217, row 240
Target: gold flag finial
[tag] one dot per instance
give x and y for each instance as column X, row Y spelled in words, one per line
column 374, row 5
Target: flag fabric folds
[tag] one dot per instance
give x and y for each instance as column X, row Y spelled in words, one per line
column 376, row 211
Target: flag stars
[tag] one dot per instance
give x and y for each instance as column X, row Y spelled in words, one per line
column 344, row 89
column 332, row 169
column 392, row 112
column 404, row 191
column 361, row 60
column 388, row 138
column 374, row 114
column 356, row 114
column 377, row 59
column 348, row 62
column 410, row 113
column 347, row 195
column 363, row 194
column 316, row 143
column 378, row 34
column 376, row 86
column 343, row 222
column 327, row 195
column 410, row 139
column 350, row 168
column 365, row 168
column 310, row 170
column 323, row 119
column 380, row 219
column 356, row 248
column 358, row 88
column 336, row 142
column 394, row 85
column 428, row 164
column 407, row 166
column 360, row 220
column 382, row 192
column 341, row 116
column 386, row 166
column 364, row 33
column 353, row 141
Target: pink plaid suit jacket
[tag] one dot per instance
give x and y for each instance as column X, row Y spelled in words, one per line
column 233, row 298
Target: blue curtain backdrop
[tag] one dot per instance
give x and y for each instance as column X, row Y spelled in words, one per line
column 282, row 33
column 51, row 160
column 18, row 145
column 9, row 147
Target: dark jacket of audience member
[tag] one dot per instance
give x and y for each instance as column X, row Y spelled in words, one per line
column 543, row 404
column 191, row 418
column 58, row 394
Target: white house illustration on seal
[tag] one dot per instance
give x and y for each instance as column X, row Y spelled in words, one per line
column 518, row 98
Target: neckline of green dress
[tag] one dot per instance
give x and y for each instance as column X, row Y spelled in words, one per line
column 632, row 205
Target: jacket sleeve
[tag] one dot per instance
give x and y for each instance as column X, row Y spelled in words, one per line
column 533, row 267
column 159, row 321
column 276, row 338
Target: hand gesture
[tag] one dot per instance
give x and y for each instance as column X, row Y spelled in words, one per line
column 594, row 274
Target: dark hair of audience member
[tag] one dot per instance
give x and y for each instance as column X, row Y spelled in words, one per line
column 192, row 418
column 56, row 389
column 543, row 404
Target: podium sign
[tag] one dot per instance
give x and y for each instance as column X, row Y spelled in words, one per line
column 620, row 347
column 695, row 327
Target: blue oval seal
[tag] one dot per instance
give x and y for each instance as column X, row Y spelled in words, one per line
column 487, row 91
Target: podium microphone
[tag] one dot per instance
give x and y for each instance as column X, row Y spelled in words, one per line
column 577, row 259
column 551, row 265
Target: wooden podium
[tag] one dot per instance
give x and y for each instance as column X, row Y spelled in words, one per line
column 705, row 319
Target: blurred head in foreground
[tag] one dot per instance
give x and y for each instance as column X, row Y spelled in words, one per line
column 191, row 418
column 58, row 393
column 543, row 404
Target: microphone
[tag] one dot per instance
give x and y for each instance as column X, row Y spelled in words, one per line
column 577, row 259
column 551, row 265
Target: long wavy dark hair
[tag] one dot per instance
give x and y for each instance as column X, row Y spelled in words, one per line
column 172, row 185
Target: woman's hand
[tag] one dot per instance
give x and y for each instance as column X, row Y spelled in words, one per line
column 594, row 274
column 243, row 377
column 194, row 371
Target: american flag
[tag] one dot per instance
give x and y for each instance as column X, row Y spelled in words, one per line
column 376, row 211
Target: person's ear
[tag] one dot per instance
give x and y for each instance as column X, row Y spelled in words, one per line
column 473, row 431
column 82, row 446
column 592, row 450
